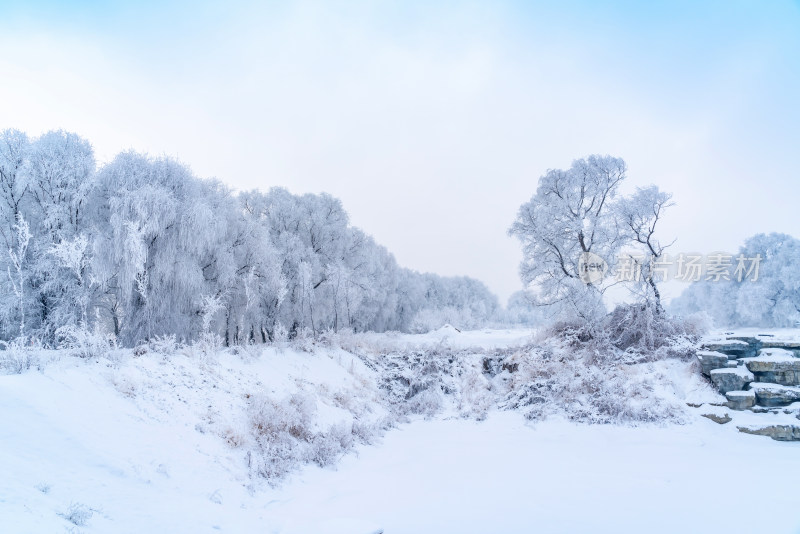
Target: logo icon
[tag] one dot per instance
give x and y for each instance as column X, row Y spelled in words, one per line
column 591, row 268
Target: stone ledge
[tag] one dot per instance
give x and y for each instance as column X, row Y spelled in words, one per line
column 776, row 432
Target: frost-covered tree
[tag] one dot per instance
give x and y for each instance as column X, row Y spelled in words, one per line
column 17, row 298
column 172, row 239
column 576, row 220
column 54, row 181
column 459, row 300
column 18, row 273
column 309, row 234
column 573, row 212
column 336, row 276
column 640, row 214
column 523, row 309
column 14, row 146
column 58, row 173
column 762, row 288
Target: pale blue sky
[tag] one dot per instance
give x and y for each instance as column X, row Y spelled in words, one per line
column 433, row 121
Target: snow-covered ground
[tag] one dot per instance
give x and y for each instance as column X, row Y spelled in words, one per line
column 160, row 444
column 487, row 338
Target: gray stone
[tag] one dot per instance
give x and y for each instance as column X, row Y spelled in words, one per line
column 772, row 395
column 719, row 419
column 734, row 347
column 710, row 360
column 726, row 380
column 761, row 409
column 740, row 400
column 776, row 432
column 776, row 369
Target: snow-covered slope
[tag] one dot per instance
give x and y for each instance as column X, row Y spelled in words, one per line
column 136, row 443
column 151, row 443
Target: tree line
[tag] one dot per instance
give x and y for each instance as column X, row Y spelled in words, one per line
column 140, row 247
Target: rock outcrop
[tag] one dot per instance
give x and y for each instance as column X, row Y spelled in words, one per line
column 741, row 400
column 731, row 379
column 760, row 374
column 772, row 395
column 777, row 366
column 776, row 432
column 710, row 360
column 736, row 347
column 719, row 419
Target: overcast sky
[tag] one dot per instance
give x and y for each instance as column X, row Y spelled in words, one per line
column 432, row 121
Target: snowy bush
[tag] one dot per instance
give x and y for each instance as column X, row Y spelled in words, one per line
column 18, row 355
column 573, row 370
column 206, row 345
column 631, row 333
column 280, row 334
column 573, row 380
column 84, row 343
column 475, row 397
column 287, row 433
column 166, row 344
column 366, row 433
column 642, row 327
column 427, row 402
column 304, row 340
column 78, row 514
column 326, row 447
column 286, row 436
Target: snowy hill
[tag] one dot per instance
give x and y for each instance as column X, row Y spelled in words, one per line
column 306, row 439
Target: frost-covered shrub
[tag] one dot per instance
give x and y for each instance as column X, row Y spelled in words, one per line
column 282, row 430
column 695, row 324
column 304, row 340
column 286, row 435
column 573, row 332
column 412, row 380
column 206, row 345
column 78, row 514
column 631, row 333
column 572, row 381
column 365, row 433
column 575, row 372
column 427, row 402
column 85, row 343
column 18, row 355
column 326, row 447
column 246, row 351
column 429, row 380
column 166, row 344
column 280, row 334
column 292, row 416
column 643, row 329
column 475, row 396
